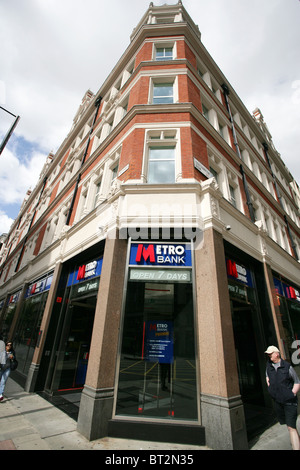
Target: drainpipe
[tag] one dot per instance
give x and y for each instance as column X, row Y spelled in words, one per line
column 294, row 248
column 97, row 104
column 246, row 189
column 30, row 225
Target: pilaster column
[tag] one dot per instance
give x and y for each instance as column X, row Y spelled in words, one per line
column 222, row 410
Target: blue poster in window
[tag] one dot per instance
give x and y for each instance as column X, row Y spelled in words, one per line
column 159, row 342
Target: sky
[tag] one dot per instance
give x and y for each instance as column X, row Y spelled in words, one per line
column 53, row 51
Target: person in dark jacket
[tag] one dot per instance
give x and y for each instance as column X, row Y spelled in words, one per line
column 2, row 352
column 6, row 367
column 283, row 386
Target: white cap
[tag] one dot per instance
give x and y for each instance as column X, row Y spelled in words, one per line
column 272, row 349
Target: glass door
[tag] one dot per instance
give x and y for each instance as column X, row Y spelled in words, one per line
column 73, row 353
column 156, row 397
column 157, row 375
column 246, row 339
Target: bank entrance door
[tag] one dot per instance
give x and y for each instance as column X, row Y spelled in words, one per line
column 246, row 342
column 157, row 373
column 74, row 345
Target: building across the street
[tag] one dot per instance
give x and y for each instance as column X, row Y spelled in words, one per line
column 158, row 255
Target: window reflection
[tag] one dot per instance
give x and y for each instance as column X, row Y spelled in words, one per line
column 28, row 330
column 161, row 165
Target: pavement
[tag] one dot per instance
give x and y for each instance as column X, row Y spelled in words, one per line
column 29, row 422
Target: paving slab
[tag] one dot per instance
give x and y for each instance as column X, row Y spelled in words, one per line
column 29, row 422
column 7, row 445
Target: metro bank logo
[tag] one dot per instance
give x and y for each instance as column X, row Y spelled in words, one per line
column 160, row 254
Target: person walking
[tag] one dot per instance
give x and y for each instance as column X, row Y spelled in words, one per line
column 283, row 386
column 2, row 352
column 10, row 360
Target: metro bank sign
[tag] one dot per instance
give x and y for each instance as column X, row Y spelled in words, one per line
column 160, row 254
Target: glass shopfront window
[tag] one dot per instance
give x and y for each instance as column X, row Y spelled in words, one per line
column 28, row 326
column 247, row 331
column 288, row 300
column 294, row 311
column 7, row 313
column 157, row 373
column 72, row 338
column 74, row 341
column 28, row 330
column 2, row 303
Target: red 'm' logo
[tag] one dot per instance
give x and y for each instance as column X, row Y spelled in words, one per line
column 146, row 253
column 81, row 272
column 231, row 269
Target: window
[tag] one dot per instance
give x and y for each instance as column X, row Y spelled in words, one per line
column 97, row 192
column 200, row 71
column 163, row 93
column 27, row 329
column 214, row 173
column 127, row 73
column 115, row 172
column 161, row 135
column 116, row 88
column 161, row 165
column 205, row 112
column 164, row 53
column 232, row 195
column 158, row 373
column 217, row 169
column 83, row 204
column 165, row 19
column 124, row 106
column 120, row 111
column 221, row 131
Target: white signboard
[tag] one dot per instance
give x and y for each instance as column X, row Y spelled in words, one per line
column 202, row 169
column 171, row 275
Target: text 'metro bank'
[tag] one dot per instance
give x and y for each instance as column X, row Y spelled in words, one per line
column 160, row 254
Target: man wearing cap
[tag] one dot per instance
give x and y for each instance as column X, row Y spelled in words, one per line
column 283, row 386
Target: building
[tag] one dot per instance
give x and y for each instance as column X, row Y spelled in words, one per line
column 158, row 254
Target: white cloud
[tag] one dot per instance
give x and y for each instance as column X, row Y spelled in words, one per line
column 17, row 177
column 20, row 169
column 5, row 222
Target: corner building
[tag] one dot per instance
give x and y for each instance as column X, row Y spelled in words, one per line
column 157, row 256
